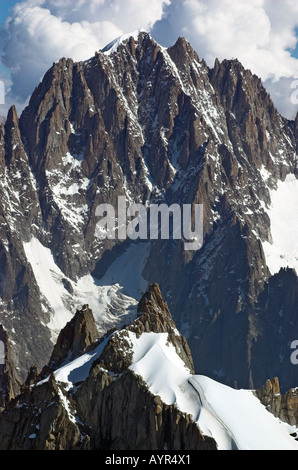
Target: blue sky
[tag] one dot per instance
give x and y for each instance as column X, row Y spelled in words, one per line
column 295, row 52
column 5, row 6
column 5, row 9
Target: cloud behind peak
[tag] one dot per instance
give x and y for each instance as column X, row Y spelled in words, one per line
column 260, row 33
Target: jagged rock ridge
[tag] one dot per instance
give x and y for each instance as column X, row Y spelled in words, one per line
column 155, row 125
column 97, row 398
column 284, row 406
column 112, row 408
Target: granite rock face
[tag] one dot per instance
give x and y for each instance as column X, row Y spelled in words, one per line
column 157, row 126
column 75, row 338
column 112, row 409
column 153, row 316
column 283, row 406
column 10, row 382
column 93, row 399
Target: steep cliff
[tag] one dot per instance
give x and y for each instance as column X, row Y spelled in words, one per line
column 283, row 406
column 95, row 401
column 10, row 381
column 158, row 126
column 136, row 389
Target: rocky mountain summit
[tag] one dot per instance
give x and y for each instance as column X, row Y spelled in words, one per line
column 112, row 408
column 157, row 126
column 97, row 394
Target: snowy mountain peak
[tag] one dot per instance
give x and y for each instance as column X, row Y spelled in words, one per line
column 131, row 368
column 157, row 126
column 114, row 45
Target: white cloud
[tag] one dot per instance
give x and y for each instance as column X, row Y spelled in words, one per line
column 284, row 94
column 260, row 33
column 40, row 32
column 257, row 32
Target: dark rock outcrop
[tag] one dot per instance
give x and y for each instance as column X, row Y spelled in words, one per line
column 38, row 420
column 157, row 125
column 277, row 304
column 78, row 334
column 135, row 418
column 10, row 381
column 283, row 406
column 153, row 316
column 112, row 409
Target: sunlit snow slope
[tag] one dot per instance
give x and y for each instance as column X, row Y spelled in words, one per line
column 282, row 252
column 112, row 303
column 234, row 418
